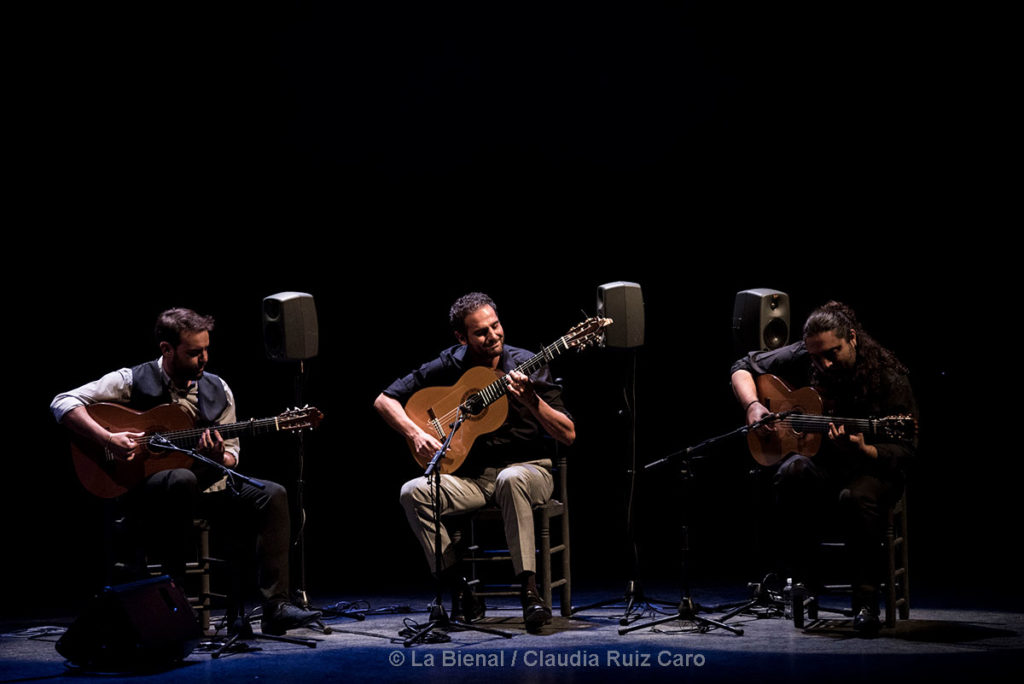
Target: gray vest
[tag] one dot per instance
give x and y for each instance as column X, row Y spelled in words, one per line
column 148, row 390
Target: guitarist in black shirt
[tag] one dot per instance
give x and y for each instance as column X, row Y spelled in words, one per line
column 507, row 466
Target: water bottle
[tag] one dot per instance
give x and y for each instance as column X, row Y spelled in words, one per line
column 787, row 599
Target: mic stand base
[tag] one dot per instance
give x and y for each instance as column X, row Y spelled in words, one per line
column 687, row 612
column 243, row 632
column 761, row 604
column 635, row 601
column 439, row 620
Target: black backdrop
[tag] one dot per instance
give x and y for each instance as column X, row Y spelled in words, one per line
column 387, row 160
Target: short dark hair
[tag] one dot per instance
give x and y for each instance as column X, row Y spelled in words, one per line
column 465, row 305
column 172, row 323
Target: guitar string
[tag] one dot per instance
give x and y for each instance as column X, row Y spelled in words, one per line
column 196, row 433
column 813, row 420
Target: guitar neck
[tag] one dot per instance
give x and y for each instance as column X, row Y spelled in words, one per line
column 190, row 437
column 807, row 422
column 499, row 387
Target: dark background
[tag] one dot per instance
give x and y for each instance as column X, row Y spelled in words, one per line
column 389, row 159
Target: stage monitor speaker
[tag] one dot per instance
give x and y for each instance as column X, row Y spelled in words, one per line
column 142, row 625
column 623, row 302
column 290, row 331
column 760, row 320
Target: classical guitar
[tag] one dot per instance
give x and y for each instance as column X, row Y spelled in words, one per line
column 107, row 476
column 802, row 426
column 480, row 397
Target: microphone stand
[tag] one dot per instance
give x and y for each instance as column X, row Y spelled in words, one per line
column 161, row 443
column 439, row 618
column 688, row 609
column 233, row 477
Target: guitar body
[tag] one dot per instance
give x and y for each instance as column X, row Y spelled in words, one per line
column 434, row 409
column 108, row 476
column 770, row 447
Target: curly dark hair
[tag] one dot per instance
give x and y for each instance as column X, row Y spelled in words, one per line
column 171, row 323
column 465, row 305
column 872, row 357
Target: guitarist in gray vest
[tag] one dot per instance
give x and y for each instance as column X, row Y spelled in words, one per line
column 849, row 474
column 170, row 498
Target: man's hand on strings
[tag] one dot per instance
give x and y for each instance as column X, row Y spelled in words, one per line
column 851, row 442
column 757, row 412
column 425, row 446
column 126, row 445
column 211, row 445
column 521, row 388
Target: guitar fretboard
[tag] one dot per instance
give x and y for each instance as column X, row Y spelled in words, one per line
column 499, row 387
column 191, row 437
column 805, row 422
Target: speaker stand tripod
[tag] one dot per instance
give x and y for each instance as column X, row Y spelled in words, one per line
column 635, row 601
column 301, row 595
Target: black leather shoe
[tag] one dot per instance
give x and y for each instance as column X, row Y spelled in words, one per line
column 284, row 616
column 866, row 622
column 467, row 606
column 536, row 613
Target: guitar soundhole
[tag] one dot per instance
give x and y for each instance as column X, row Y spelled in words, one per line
column 474, row 403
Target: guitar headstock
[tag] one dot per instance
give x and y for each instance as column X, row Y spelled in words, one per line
column 587, row 333
column 303, row 418
column 896, row 427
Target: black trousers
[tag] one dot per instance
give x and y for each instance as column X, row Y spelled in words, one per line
column 815, row 497
column 168, row 501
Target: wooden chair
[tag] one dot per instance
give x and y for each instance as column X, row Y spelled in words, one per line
column 126, row 560
column 482, row 557
column 896, row 589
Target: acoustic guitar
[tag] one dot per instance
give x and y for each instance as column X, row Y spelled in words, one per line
column 480, row 397
column 107, row 475
column 803, row 425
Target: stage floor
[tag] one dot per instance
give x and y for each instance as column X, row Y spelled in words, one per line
column 939, row 642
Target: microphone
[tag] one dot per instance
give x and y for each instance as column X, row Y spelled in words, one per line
column 773, row 418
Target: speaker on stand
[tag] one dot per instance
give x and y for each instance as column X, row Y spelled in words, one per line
column 623, row 302
column 760, row 322
column 291, row 334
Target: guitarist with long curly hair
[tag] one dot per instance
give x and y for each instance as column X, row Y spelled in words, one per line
column 849, row 469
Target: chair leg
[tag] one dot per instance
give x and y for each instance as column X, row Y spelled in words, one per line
column 566, row 606
column 544, row 537
column 898, row 589
column 890, row 584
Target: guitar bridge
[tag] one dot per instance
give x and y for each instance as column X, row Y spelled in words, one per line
column 435, row 423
